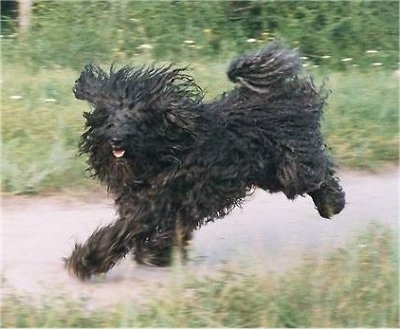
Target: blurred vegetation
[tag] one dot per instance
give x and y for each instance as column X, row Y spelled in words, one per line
column 354, row 43
column 361, row 121
column 354, row 286
column 41, row 123
column 71, row 33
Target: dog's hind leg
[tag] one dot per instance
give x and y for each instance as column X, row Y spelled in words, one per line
column 329, row 198
column 288, row 175
column 325, row 191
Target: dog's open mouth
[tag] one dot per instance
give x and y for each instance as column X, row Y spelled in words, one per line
column 117, row 147
column 118, row 152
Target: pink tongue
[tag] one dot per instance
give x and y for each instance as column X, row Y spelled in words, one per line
column 118, row 153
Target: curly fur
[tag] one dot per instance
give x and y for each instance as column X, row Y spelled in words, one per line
column 173, row 162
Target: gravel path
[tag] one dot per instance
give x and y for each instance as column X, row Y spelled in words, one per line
column 270, row 233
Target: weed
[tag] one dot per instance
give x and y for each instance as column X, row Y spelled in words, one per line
column 354, row 286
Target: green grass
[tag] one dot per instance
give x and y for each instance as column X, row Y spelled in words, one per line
column 362, row 118
column 41, row 123
column 71, row 33
column 354, row 286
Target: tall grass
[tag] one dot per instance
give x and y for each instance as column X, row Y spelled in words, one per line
column 362, row 118
column 354, row 286
column 41, row 123
column 70, row 33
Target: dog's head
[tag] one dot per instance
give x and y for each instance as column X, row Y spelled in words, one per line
column 135, row 112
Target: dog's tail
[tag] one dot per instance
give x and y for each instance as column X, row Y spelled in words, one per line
column 265, row 69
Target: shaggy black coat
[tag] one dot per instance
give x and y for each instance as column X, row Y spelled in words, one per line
column 173, row 162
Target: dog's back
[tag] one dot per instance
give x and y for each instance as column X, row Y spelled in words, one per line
column 276, row 113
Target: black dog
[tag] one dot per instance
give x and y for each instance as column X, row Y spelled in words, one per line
column 173, row 163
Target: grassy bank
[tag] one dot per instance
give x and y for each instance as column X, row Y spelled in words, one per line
column 362, row 119
column 355, row 286
column 41, row 123
column 71, row 33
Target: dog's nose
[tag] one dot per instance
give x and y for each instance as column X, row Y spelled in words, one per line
column 116, row 141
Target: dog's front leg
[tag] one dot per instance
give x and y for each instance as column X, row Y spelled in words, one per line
column 157, row 248
column 103, row 249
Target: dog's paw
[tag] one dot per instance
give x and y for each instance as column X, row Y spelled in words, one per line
column 82, row 266
column 329, row 199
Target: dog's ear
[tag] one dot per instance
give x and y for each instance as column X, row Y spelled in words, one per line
column 89, row 84
column 170, row 89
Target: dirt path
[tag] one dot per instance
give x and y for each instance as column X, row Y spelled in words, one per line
column 270, row 233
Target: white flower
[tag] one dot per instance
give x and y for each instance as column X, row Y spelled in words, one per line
column 325, row 57
column 189, row 42
column 145, row 46
column 15, row 97
column 348, row 59
column 251, row 40
column 371, row 51
column 377, row 64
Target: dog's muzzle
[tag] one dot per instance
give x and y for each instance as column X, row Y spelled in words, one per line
column 117, row 147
